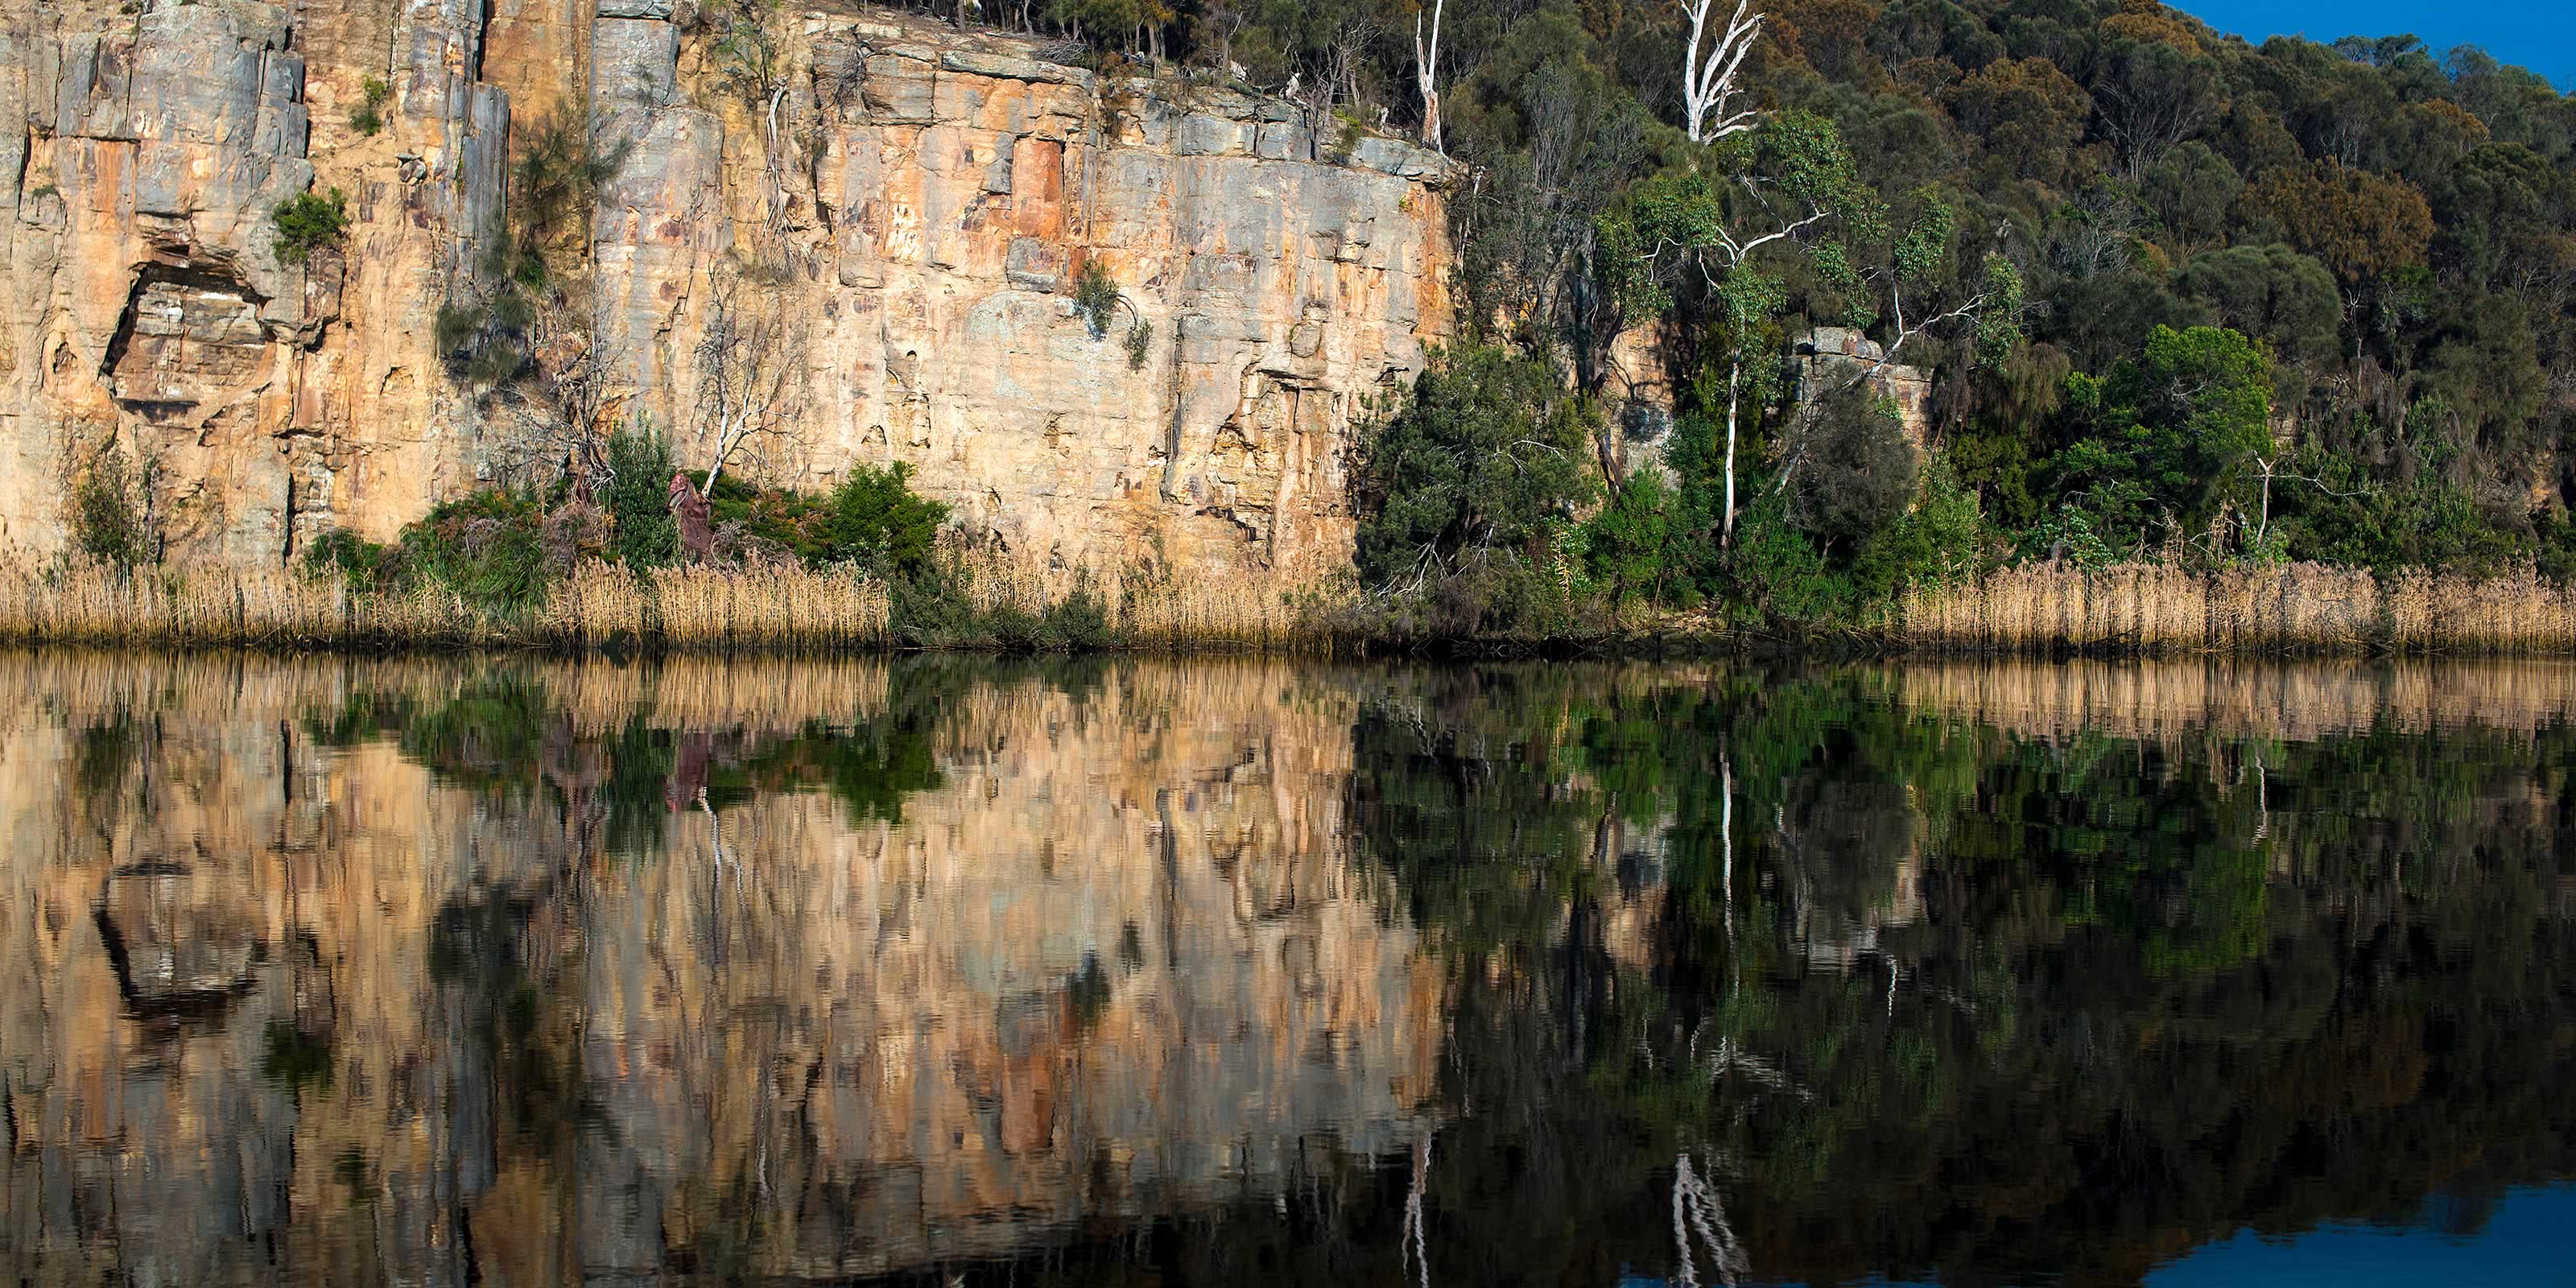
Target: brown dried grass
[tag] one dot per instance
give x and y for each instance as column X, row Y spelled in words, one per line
column 770, row 608
column 2302, row 608
column 1159, row 611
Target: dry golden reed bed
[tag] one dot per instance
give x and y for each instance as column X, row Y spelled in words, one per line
column 782, row 608
column 2146, row 609
column 2283, row 609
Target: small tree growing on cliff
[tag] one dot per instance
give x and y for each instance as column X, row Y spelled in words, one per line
column 519, row 328
column 310, row 222
column 751, row 57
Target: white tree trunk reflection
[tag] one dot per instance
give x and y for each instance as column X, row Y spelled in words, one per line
column 1699, row 1219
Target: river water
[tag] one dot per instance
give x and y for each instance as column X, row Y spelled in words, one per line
column 515, row 971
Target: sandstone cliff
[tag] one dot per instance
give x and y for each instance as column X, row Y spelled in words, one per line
column 920, row 202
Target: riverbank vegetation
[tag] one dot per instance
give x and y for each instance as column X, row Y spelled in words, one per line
column 2003, row 324
column 2186, row 309
column 868, row 564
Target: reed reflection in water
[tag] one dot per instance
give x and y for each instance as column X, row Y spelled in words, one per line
column 525, row 972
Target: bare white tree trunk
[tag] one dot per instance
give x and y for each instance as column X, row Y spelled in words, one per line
column 1708, row 83
column 1734, row 384
column 1426, row 61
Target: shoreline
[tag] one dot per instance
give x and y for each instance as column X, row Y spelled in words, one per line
column 2045, row 611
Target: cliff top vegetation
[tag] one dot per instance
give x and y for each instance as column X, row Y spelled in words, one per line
column 2180, row 296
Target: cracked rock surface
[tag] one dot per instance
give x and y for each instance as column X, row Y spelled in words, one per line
column 920, row 204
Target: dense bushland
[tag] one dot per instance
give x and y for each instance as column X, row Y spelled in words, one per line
column 2183, row 299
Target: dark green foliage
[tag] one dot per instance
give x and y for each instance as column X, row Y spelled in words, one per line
column 1776, row 573
column 488, row 548
column 2168, row 433
column 108, row 523
column 369, row 117
column 367, row 565
column 500, row 549
column 1629, row 543
column 934, row 607
column 643, row 532
column 1096, row 297
column 1487, row 455
column 1854, row 468
column 310, row 222
column 1941, row 538
column 2274, row 295
column 2332, row 511
column 872, row 518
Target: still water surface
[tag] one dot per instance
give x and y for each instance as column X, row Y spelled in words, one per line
column 517, row 972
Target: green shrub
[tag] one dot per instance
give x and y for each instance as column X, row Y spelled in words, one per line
column 369, row 118
column 106, row 523
column 1095, row 296
column 367, row 565
column 1940, row 541
column 872, row 519
column 1077, row 623
column 488, row 548
column 875, row 518
column 309, row 223
column 1628, row 544
column 643, row 533
column 1777, row 573
column 1140, row 344
column 1856, row 472
column 1487, row 454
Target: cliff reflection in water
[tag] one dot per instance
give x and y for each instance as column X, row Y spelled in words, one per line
column 545, row 973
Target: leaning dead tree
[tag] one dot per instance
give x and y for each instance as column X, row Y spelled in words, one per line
column 749, row 372
column 1426, row 75
column 1708, row 83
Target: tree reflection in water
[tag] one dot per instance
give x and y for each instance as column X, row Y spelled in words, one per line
column 1243, row 973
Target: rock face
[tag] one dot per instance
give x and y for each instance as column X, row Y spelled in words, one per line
column 900, row 218
column 1831, row 352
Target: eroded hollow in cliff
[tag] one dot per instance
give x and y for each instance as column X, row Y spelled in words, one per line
column 188, row 334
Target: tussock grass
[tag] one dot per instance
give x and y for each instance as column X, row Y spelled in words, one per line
column 2301, row 608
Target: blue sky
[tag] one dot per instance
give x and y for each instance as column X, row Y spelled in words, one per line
column 2538, row 34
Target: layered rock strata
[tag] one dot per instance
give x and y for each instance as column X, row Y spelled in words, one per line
column 904, row 209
